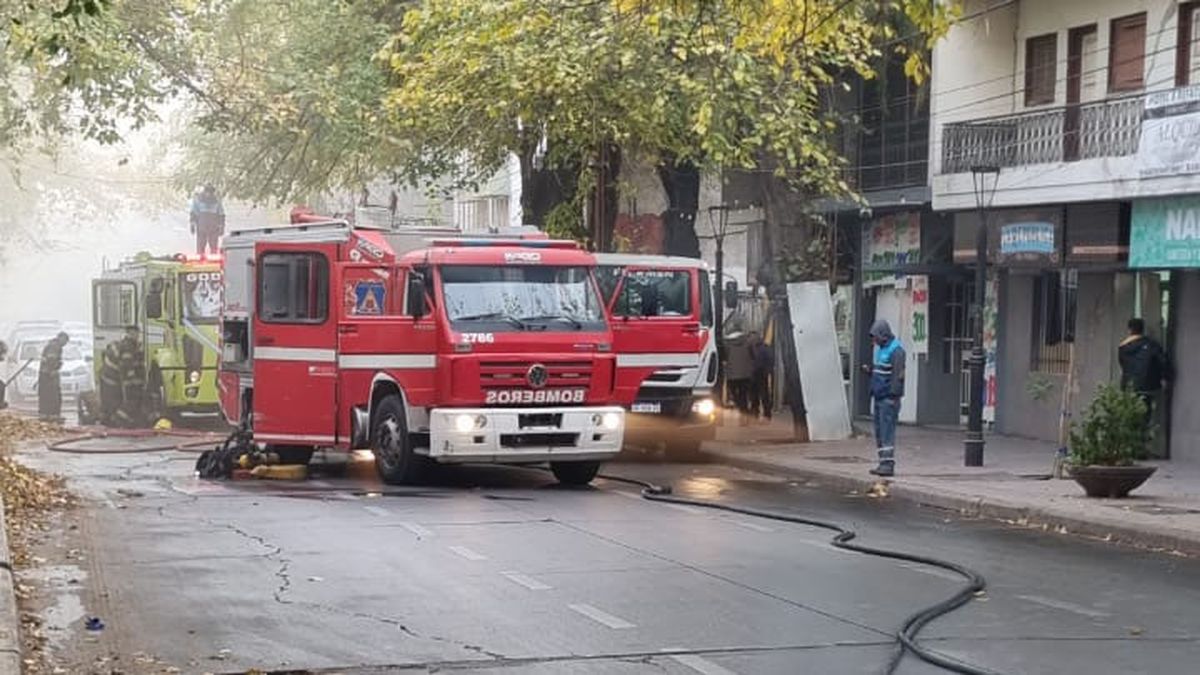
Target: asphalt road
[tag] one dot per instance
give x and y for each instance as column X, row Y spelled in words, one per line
column 498, row 570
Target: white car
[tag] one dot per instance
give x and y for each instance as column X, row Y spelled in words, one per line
column 76, row 371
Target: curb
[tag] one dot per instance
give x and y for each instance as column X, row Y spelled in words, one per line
column 10, row 627
column 976, row 506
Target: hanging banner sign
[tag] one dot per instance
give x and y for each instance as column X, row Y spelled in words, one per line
column 1170, row 141
column 890, row 242
column 920, row 315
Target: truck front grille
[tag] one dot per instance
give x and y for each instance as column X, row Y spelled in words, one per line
column 562, row 374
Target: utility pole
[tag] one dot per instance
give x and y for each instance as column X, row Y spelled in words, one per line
column 974, row 443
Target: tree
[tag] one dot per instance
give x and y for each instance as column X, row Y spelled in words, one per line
column 700, row 85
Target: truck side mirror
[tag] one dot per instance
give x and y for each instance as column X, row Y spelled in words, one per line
column 154, row 299
column 415, row 295
column 731, row 291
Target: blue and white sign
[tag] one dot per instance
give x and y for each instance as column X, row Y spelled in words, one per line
column 1028, row 241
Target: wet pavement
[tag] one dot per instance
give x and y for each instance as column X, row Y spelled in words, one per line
column 493, row 569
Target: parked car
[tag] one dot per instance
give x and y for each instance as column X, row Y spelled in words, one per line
column 32, row 328
column 76, row 371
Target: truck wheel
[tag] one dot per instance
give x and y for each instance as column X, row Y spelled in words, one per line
column 395, row 461
column 575, row 473
column 684, row 451
column 292, row 454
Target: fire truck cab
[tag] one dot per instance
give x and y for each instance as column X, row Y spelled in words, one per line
column 173, row 302
column 447, row 350
column 662, row 321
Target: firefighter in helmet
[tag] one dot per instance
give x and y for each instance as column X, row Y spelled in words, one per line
column 50, row 379
column 123, row 381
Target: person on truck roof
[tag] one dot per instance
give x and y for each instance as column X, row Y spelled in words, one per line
column 207, row 219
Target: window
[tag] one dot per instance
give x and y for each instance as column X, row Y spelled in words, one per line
column 1187, row 52
column 706, row 300
column 1127, row 53
column 201, row 296
column 115, row 305
column 293, row 288
column 1054, row 300
column 654, row 293
column 608, row 277
column 1041, row 57
column 516, row 297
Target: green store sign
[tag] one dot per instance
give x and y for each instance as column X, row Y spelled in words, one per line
column 1165, row 233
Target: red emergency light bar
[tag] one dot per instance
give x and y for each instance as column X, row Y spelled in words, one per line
column 519, row 242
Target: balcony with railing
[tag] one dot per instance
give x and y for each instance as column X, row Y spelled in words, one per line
column 1107, row 128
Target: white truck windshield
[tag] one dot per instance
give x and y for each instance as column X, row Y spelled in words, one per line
column 201, row 295
column 521, row 298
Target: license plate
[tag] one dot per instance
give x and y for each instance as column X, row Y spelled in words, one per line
column 653, row 408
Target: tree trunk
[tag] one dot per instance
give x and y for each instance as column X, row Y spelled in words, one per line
column 681, row 182
column 543, row 188
column 603, row 215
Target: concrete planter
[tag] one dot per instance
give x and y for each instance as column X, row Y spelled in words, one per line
column 1110, row 481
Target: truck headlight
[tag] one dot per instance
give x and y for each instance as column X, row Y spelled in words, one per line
column 610, row 420
column 704, row 406
column 466, row 423
column 193, row 377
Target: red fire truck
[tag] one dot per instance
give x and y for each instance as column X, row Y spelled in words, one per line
column 662, row 323
column 447, row 350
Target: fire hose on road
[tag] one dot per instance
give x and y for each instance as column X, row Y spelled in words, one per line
column 844, row 539
column 218, row 458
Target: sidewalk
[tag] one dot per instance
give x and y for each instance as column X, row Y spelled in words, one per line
column 1162, row 514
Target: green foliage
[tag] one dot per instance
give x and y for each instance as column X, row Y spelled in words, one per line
column 565, row 221
column 1110, row 432
column 1039, row 387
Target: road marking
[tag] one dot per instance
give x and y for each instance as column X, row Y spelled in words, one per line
column 468, row 553
column 602, row 617
column 377, row 510
column 628, row 495
column 701, row 664
column 1065, row 606
column 686, row 509
column 752, row 526
column 417, row 529
column 526, row 581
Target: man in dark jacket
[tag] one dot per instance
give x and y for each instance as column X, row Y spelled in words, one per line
column 887, row 388
column 50, row 379
column 1145, row 367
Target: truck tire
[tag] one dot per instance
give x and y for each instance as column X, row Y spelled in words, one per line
column 395, row 461
column 575, row 473
column 687, row 450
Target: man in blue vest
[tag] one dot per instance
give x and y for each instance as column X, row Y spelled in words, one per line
column 887, row 388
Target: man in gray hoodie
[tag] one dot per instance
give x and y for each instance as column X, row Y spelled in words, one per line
column 887, row 388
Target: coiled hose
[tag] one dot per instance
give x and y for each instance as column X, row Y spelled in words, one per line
column 844, row 539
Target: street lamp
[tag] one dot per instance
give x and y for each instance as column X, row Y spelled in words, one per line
column 973, row 445
column 718, row 221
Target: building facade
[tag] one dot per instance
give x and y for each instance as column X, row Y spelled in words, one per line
column 1089, row 110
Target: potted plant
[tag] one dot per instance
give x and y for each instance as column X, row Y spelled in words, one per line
column 1107, row 442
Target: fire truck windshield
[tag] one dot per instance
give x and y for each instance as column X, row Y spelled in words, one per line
column 512, row 297
column 201, row 294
